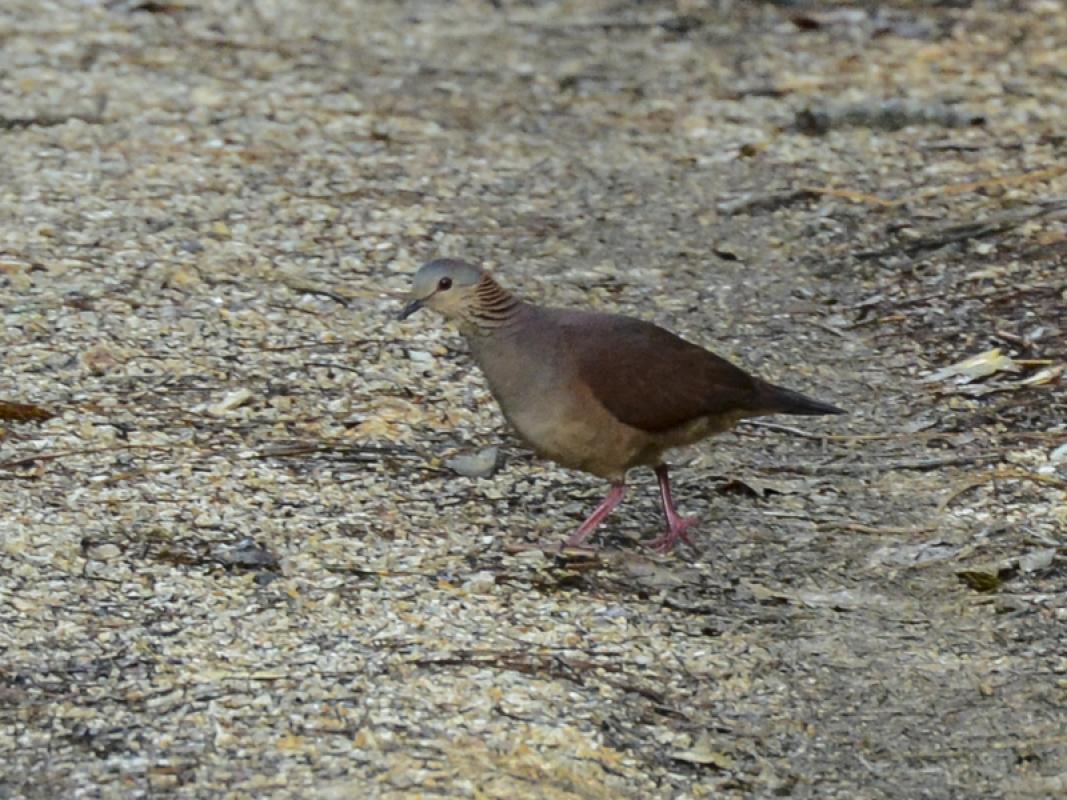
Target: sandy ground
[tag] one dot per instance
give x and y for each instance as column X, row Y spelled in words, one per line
column 233, row 561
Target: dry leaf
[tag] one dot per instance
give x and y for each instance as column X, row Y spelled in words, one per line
column 23, row 412
column 229, row 402
column 984, row 579
column 704, row 753
column 1044, row 376
column 975, row 367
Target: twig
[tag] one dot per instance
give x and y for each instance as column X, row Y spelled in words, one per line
column 771, row 201
column 965, row 487
column 550, row 665
column 329, row 365
column 890, row 115
column 1019, row 475
column 1002, row 473
column 47, row 120
column 987, row 742
column 559, row 551
column 777, row 426
column 952, row 234
column 315, row 290
column 836, row 437
column 1012, row 338
column 844, row 334
column 859, row 527
column 346, row 452
column 920, row 465
column 677, row 24
column 985, row 183
column 21, row 462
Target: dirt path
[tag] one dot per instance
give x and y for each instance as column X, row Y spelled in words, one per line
column 234, row 564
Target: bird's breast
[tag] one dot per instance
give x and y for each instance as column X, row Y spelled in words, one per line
column 567, row 425
column 552, row 410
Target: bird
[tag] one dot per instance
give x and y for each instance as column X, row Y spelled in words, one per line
column 597, row 392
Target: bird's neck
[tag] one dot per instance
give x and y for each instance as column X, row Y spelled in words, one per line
column 492, row 308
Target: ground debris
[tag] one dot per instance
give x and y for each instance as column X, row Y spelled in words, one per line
column 296, row 596
column 23, row 412
column 888, row 115
column 479, row 464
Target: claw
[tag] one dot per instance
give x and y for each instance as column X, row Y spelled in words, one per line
column 676, row 529
column 677, row 525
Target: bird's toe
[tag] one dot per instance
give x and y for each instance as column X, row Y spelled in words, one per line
column 676, row 531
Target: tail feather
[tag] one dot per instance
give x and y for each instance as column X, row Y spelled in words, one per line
column 779, row 400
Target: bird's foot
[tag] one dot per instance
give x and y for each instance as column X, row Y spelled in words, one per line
column 676, row 529
column 614, row 497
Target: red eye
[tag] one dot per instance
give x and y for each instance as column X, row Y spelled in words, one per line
column 444, row 283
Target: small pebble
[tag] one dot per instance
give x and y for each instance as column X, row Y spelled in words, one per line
column 480, row 464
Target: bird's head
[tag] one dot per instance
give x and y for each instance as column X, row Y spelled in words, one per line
column 446, row 285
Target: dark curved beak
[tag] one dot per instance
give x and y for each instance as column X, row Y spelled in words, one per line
column 410, row 309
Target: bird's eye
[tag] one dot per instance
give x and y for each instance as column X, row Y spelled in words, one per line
column 444, row 283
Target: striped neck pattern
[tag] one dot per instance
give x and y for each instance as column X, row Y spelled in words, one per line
column 491, row 307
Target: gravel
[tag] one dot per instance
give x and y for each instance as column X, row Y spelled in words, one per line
column 234, row 559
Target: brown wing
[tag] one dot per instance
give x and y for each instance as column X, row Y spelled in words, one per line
column 651, row 379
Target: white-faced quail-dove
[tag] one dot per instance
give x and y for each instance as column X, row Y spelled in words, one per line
column 602, row 393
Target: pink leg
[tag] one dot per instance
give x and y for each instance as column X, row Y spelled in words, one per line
column 618, row 491
column 677, row 525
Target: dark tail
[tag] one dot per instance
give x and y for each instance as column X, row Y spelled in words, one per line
column 779, row 400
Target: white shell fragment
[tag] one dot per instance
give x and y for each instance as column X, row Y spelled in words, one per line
column 232, row 400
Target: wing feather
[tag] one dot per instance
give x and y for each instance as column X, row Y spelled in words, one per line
column 651, row 379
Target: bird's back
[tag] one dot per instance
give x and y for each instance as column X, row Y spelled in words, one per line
column 648, row 377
